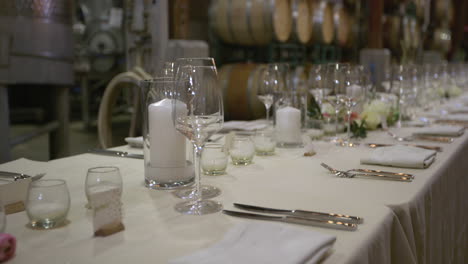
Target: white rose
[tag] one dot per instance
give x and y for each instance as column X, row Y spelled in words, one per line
column 379, row 107
column 372, row 119
column 328, row 109
column 454, row 91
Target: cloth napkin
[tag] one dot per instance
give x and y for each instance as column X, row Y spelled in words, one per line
column 7, row 246
column 400, row 156
column 449, row 131
column 134, row 142
column 253, row 242
column 244, row 125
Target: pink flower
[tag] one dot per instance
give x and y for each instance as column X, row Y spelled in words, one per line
column 7, row 246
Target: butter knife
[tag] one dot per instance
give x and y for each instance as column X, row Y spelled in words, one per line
column 116, row 153
column 377, row 145
column 303, row 213
column 19, row 176
column 295, row 220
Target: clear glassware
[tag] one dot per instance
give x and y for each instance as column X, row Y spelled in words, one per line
column 353, row 92
column 335, row 79
column 318, row 87
column 264, row 142
column 214, row 159
column 242, row 150
column 47, row 203
column 101, row 179
column 268, row 87
column 405, row 90
column 197, row 113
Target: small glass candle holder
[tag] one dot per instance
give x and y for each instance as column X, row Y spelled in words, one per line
column 47, row 204
column 242, row 150
column 214, row 159
column 102, row 178
column 265, row 142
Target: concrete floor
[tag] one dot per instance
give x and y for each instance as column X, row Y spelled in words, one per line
column 81, row 139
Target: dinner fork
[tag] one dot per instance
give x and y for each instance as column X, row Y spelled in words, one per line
column 350, row 174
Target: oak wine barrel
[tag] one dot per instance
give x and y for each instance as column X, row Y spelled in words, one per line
column 251, row 22
column 392, row 31
column 239, row 83
column 301, row 26
column 322, row 22
column 342, row 23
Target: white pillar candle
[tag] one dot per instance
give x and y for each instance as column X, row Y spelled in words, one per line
column 167, row 145
column 288, row 125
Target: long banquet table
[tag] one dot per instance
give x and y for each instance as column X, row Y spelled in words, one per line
column 424, row 221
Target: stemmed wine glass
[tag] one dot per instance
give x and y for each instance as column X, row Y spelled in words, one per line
column 317, row 85
column 354, row 92
column 335, row 78
column 267, row 88
column 197, row 113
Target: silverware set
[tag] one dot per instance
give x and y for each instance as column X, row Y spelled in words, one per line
column 421, row 137
column 377, row 174
column 295, row 216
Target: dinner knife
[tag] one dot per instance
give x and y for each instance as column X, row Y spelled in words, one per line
column 116, row 153
column 303, row 213
column 295, row 220
column 434, row 138
column 377, row 145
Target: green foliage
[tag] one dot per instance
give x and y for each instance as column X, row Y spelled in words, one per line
column 359, row 130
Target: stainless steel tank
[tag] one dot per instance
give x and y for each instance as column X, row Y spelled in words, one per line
column 36, row 44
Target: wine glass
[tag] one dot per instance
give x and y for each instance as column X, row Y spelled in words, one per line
column 317, row 84
column 197, row 113
column 354, row 92
column 335, row 78
column 267, row 88
column 404, row 90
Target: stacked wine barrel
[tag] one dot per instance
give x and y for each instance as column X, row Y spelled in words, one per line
column 261, row 22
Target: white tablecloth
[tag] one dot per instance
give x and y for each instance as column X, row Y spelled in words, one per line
column 419, row 222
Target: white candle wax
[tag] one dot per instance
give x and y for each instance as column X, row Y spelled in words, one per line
column 243, row 151
column 288, row 125
column 210, row 164
column 167, row 145
column 264, row 144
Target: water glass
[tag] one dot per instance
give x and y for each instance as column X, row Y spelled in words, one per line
column 242, row 150
column 214, row 159
column 101, row 179
column 264, row 142
column 47, row 203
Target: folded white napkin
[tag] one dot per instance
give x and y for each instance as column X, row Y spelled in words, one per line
column 14, row 191
column 449, row 131
column 253, row 242
column 134, row 142
column 400, row 156
column 245, row 125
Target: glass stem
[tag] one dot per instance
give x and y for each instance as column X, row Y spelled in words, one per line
column 398, row 124
column 349, row 125
column 267, row 108
column 337, row 111
column 197, row 150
